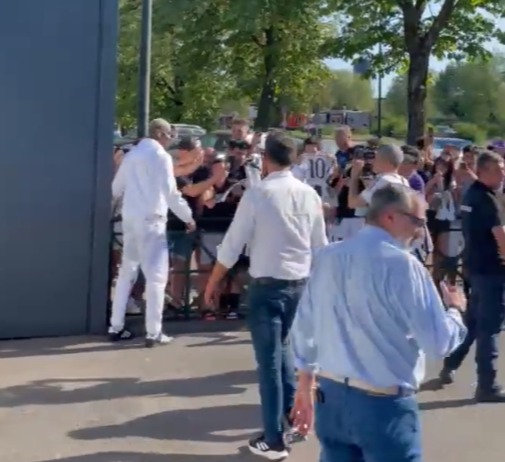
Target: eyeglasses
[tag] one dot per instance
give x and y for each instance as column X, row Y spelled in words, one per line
column 415, row 220
column 243, row 145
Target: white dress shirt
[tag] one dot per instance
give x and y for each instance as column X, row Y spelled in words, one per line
column 145, row 181
column 281, row 220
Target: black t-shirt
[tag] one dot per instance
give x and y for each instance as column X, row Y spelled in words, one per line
column 481, row 211
column 343, row 209
column 200, row 174
column 218, row 218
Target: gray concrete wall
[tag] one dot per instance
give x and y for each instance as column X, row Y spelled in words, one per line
column 57, row 86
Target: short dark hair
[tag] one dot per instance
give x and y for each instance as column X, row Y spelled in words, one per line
column 187, row 143
column 310, row 141
column 280, row 149
column 488, row 157
column 411, row 155
column 420, row 142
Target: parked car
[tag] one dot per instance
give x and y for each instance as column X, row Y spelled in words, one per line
column 189, row 130
column 220, row 139
column 440, row 143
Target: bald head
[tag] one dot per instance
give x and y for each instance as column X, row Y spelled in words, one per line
column 161, row 131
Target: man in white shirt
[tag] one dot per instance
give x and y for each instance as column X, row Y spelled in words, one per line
column 145, row 182
column 281, row 220
column 386, row 163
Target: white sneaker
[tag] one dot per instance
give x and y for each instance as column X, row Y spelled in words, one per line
column 161, row 339
column 132, row 307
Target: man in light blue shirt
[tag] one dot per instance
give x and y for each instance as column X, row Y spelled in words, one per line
column 369, row 314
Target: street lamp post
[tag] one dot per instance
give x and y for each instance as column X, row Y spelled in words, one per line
column 144, row 88
column 379, row 99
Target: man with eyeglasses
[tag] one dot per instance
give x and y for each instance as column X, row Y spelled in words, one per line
column 369, row 315
column 146, row 184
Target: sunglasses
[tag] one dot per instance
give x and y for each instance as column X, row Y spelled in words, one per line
column 415, row 220
column 238, row 145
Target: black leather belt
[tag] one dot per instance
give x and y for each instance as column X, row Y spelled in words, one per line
column 288, row 282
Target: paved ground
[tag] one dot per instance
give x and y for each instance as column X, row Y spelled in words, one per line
column 81, row 400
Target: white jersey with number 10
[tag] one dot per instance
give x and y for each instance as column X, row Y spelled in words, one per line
column 317, row 169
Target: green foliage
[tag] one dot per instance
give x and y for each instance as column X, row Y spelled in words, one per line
column 207, row 52
column 395, row 103
column 395, row 127
column 444, row 28
column 472, row 92
column 344, row 88
column 469, row 131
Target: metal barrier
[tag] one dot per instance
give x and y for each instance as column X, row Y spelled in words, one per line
column 188, row 305
column 192, row 268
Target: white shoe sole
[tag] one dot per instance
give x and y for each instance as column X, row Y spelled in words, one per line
column 269, row 455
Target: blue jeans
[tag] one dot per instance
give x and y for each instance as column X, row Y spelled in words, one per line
column 355, row 426
column 272, row 308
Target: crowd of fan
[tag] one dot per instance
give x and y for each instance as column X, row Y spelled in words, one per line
column 212, row 183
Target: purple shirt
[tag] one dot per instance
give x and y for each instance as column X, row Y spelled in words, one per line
column 416, row 182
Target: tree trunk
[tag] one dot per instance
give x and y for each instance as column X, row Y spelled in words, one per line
column 416, row 94
column 267, row 99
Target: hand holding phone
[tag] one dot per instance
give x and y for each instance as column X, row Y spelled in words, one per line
column 453, row 296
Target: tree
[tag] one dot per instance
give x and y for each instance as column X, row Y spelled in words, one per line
column 395, row 103
column 271, row 49
column 409, row 32
column 473, row 92
column 189, row 79
column 344, row 88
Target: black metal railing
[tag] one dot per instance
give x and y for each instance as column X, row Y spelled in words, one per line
column 190, row 306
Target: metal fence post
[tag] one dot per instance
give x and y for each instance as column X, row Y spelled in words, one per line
column 144, row 68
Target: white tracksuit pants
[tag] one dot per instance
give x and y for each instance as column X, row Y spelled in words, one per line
column 144, row 246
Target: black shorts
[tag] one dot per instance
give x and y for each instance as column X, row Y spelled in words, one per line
column 437, row 227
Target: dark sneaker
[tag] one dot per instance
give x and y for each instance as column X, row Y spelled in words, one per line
column 119, row 335
column 259, row 447
column 446, row 376
column 495, row 395
column 162, row 339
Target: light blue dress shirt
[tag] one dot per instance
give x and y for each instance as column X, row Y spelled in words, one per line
column 370, row 312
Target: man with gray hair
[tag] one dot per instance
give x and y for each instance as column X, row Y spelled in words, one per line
column 386, row 163
column 146, row 184
column 378, row 303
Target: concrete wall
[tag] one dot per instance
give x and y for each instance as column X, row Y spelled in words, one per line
column 57, row 86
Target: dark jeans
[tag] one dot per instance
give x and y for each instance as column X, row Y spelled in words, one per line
column 484, row 319
column 355, row 426
column 272, row 308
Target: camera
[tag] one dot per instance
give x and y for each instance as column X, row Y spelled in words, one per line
column 367, row 154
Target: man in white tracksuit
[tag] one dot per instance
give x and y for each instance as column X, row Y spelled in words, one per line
column 145, row 181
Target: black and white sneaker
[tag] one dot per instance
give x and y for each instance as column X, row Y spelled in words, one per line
column 161, row 339
column 259, row 447
column 119, row 335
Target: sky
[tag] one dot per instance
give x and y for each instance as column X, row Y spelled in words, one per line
column 435, row 64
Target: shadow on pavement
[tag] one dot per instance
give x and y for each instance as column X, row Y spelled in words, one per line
column 431, row 385
column 196, row 425
column 219, row 339
column 242, row 456
column 58, row 391
column 94, row 344
column 447, row 404
column 61, row 346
